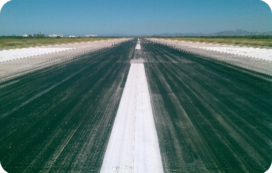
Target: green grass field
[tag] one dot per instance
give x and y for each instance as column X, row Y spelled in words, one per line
column 22, row 42
column 254, row 41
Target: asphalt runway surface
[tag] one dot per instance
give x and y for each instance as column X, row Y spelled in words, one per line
column 210, row 116
column 59, row 119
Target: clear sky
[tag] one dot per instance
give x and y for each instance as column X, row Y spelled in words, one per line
column 133, row 17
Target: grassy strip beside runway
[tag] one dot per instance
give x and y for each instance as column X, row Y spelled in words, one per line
column 254, row 41
column 9, row 42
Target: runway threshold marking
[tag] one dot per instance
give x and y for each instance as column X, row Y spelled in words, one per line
column 133, row 144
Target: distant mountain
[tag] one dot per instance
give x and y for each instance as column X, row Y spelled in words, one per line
column 237, row 32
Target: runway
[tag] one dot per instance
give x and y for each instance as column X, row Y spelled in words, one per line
column 59, row 118
column 209, row 116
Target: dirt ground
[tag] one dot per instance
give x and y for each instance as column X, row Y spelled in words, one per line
column 21, row 66
column 254, row 64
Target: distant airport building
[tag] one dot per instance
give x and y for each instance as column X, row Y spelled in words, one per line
column 26, row 35
column 72, row 36
column 55, row 35
column 90, row 35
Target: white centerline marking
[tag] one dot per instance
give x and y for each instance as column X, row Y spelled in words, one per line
column 138, row 46
column 133, row 144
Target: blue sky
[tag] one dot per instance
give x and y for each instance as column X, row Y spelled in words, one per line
column 135, row 17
